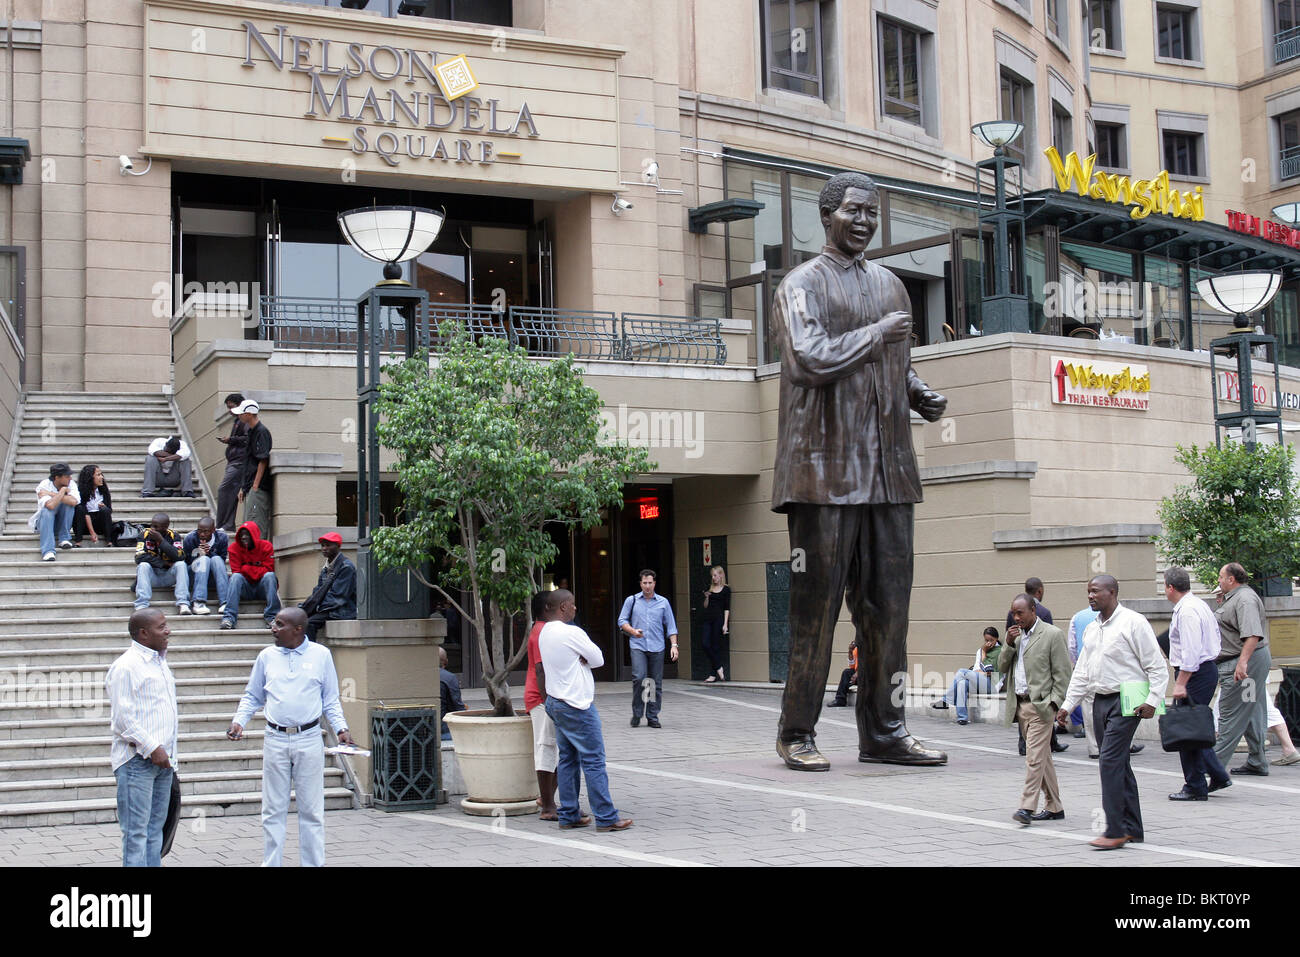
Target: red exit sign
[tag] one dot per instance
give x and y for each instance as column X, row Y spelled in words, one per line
column 650, row 511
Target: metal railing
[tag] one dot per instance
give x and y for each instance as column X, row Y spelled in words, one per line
column 330, row 324
column 1290, row 162
column 1286, row 45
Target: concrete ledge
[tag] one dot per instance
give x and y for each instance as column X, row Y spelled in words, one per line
column 1061, row 535
column 303, row 540
column 267, row 400
column 978, row 471
column 232, row 349
column 361, row 633
column 328, row 462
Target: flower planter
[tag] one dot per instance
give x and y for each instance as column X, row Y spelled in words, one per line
column 496, row 759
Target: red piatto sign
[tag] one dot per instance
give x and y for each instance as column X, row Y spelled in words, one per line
column 1263, row 228
column 1230, row 391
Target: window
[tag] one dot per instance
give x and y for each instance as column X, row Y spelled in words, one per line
column 900, row 72
column 1017, row 100
column 1104, row 18
column 1057, row 24
column 1183, row 153
column 1175, row 33
column 1110, row 146
column 496, row 12
column 1288, row 138
column 1062, row 130
column 792, row 40
column 1286, row 26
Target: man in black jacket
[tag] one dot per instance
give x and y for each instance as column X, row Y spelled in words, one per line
column 335, row 596
column 158, row 562
column 236, row 453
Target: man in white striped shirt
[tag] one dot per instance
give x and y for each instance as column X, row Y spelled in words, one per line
column 142, row 694
column 1194, row 646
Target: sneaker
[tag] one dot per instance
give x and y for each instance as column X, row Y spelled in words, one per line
column 189, row 494
column 65, row 544
column 1287, row 759
column 200, row 608
column 939, row 705
column 221, row 609
column 227, row 624
column 963, row 721
column 185, row 609
column 49, row 557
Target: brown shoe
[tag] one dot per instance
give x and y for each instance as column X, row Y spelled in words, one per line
column 622, row 825
column 1109, row 843
column 584, row 821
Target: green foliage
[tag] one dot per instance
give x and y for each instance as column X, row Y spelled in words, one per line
column 1242, row 506
column 491, row 446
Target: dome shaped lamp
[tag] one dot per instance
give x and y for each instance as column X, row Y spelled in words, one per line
column 1239, row 294
column 391, row 235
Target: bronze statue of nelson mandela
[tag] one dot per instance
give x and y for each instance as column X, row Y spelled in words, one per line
column 846, row 477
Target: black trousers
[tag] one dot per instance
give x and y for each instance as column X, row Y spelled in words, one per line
column 711, row 639
column 846, row 679
column 101, row 521
column 864, row 553
column 1197, row 764
column 228, row 495
column 1119, row 789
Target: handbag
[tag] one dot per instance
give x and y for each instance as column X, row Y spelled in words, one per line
column 126, row 535
column 316, row 597
column 1187, row 727
column 173, row 815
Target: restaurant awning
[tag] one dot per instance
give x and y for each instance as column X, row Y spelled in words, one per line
column 1203, row 245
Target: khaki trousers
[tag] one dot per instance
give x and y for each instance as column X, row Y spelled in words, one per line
column 1040, row 772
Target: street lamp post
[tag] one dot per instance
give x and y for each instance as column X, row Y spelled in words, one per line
column 390, row 235
column 1006, row 309
column 1238, row 295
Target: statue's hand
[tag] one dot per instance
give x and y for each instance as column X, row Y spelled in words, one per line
column 895, row 326
column 932, row 405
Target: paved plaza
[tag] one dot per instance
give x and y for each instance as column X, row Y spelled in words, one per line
column 708, row 790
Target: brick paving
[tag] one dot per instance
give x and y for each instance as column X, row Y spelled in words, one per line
column 708, row 789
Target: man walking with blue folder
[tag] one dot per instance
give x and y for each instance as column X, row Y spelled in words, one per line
column 1120, row 654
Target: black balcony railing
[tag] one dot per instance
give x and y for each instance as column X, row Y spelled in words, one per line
column 330, row 324
column 1290, row 162
column 1286, row 45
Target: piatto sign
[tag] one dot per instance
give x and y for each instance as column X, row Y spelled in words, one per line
column 1100, row 385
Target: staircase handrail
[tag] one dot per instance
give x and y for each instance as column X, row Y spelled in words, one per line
column 195, row 465
column 11, row 461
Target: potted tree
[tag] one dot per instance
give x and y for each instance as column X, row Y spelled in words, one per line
column 1241, row 506
column 491, row 447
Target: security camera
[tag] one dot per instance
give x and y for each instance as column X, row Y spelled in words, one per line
column 619, row 205
column 125, row 163
column 126, row 167
column 651, row 173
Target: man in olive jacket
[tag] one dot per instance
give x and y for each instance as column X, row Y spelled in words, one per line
column 1037, row 665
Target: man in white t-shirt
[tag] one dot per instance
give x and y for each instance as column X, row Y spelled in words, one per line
column 568, row 656
column 57, row 498
column 167, row 468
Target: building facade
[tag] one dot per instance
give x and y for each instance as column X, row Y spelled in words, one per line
column 629, row 183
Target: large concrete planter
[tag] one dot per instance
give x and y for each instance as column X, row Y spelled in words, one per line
column 496, row 758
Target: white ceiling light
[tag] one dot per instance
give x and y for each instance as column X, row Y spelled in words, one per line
column 391, row 234
column 997, row 133
column 1239, row 294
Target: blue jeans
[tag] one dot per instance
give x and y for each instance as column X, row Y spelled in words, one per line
column 581, row 751
column 55, row 525
column 968, row 681
column 206, row 565
column 144, row 793
column 238, row 588
column 647, row 664
column 147, row 578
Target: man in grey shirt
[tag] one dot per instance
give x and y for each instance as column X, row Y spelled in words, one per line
column 1243, row 662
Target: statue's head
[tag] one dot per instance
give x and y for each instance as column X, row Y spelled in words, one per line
column 850, row 209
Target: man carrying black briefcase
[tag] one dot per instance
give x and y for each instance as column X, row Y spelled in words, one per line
column 1194, row 645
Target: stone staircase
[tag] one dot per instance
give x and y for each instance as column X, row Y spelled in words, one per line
column 65, row 623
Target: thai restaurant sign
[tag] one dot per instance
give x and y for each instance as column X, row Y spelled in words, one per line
column 297, row 86
column 1240, row 222
column 1100, row 385
column 1146, row 196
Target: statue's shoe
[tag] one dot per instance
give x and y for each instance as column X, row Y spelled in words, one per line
column 802, row 755
column 907, row 750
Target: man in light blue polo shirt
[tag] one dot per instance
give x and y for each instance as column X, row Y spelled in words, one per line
column 646, row 618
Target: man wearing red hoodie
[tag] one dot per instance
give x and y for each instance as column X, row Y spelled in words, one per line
column 252, row 575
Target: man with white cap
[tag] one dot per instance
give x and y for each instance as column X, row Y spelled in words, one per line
column 335, row 595
column 258, row 483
